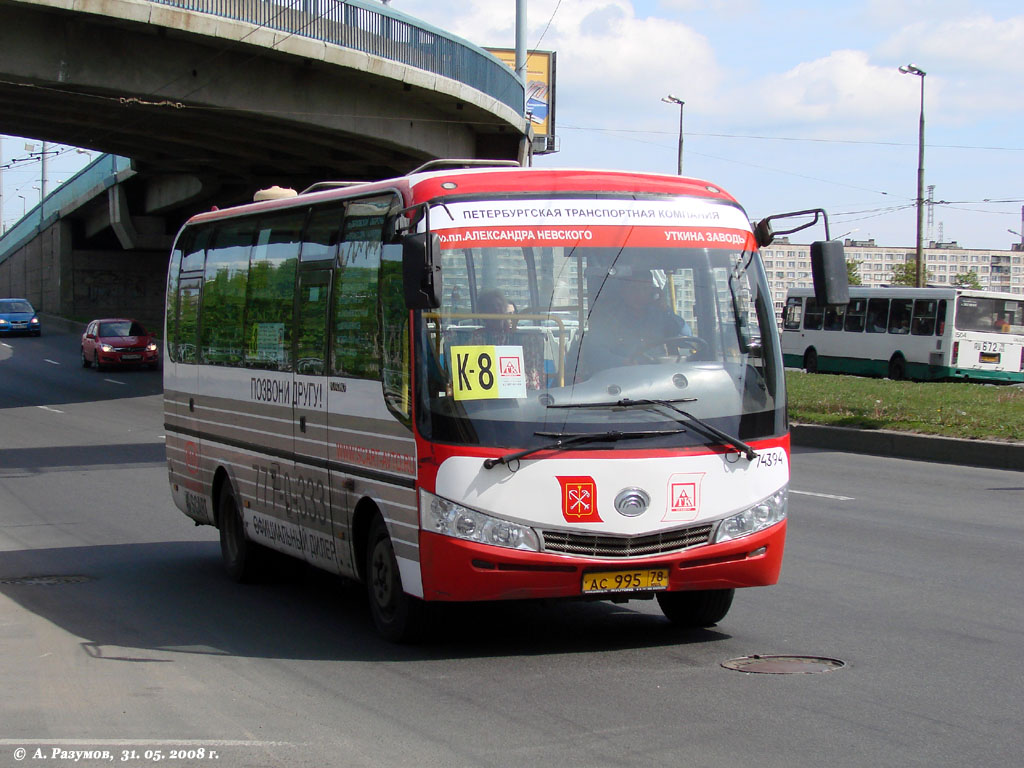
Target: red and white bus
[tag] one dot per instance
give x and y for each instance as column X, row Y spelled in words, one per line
column 485, row 383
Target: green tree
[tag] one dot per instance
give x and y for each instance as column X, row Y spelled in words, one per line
column 967, row 280
column 853, row 272
column 905, row 274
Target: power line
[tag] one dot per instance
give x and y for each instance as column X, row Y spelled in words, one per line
column 548, row 25
column 759, row 137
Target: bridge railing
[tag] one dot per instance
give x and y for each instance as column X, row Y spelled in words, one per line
column 376, row 30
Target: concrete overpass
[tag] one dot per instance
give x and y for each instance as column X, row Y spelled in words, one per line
column 212, row 99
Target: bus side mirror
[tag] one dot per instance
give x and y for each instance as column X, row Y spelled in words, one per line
column 421, row 270
column 828, row 269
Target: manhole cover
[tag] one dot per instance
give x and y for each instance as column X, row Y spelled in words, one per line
column 784, row 665
column 46, row 581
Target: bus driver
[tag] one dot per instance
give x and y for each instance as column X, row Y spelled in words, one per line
column 630, row 322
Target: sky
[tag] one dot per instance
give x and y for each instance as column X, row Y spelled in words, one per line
column 789, row 105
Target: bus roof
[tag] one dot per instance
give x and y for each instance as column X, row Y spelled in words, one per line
column 429, row 185
column 892, row 291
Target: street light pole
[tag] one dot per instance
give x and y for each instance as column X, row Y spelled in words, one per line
column 910, row 69
column 670, row 99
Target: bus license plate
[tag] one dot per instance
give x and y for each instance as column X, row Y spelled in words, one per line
column 625, row 581
column 989, row 357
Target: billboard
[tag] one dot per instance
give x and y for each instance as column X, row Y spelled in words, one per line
column 540, row 94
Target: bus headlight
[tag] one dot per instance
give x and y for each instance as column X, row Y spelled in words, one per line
column 451, row 519
column 762, row 515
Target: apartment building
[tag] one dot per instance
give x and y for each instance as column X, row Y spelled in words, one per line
column 789, row 265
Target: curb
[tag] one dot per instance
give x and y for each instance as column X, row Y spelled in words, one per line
column 906, row 445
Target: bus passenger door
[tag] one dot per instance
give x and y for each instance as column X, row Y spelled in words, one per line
column 313, row 499
column 184, row 447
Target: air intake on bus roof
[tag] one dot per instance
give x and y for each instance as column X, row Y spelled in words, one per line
column 273, row 193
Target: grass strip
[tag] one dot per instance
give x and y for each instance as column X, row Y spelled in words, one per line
column 952, row 409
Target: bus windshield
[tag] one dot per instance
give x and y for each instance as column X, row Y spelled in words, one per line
column 535, row 342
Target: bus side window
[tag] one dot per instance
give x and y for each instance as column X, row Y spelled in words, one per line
column 813, row 316
column 171, row 308
column 899, row 316
column 224, row 288
column 855, row 313
column 189, row 293
column 270, row 299
column 792, row 313
column 357, row 348
column 878, row 315
column 923, row 323
column 834, row 318
column 313, row 306
column 395, row 363
column 940, row 326
column 193, row 252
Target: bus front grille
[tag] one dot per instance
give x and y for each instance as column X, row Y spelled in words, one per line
column 595, row 545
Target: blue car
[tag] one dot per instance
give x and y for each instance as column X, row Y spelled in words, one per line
column 18, row 316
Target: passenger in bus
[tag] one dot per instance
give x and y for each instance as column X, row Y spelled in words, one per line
column 1001, row 325
column 500, row 332
column 876, row 321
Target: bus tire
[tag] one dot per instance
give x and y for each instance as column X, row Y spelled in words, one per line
column 238, row 553
column 694, row 610
column 811, row 360
column 897, row 368
column 398, row 617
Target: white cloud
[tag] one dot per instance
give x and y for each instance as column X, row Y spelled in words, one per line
column 732, row 8
column 967, row 45
column 842, row 93
column 975, row 62
column 613, row 67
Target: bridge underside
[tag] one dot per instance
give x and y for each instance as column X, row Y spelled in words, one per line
column 210, row 110
column 178, row 101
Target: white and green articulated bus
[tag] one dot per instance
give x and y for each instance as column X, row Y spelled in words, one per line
column 927, row 334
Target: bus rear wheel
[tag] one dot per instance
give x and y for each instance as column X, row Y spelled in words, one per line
column 897, row 368
column 240, row 555
column 399, row 617
column 694, row 610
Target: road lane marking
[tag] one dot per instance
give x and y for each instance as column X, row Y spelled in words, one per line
column 822, row 495
column 48, row 408
column 51, row 362
column 114, row 381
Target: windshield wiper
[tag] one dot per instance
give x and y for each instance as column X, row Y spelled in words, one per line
column 566, row 441
column 698, row 422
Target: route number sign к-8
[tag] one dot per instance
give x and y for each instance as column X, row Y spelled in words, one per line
column 487, row 372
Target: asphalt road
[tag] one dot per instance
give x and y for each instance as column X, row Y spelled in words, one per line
column 908, row 572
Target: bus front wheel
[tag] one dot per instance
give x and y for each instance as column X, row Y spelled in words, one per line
column 694, row 610
column 398, row 617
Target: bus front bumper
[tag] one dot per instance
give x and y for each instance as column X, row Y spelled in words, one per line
column 458, row 570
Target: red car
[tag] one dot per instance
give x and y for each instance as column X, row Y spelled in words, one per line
column 118, row 341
